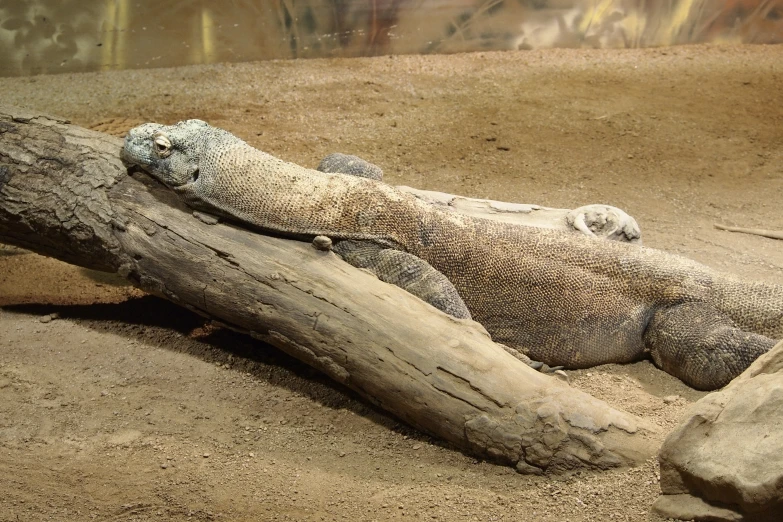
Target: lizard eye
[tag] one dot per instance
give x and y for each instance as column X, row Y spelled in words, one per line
column 161, row 145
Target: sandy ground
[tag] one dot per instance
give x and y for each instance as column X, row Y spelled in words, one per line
column 126, row 407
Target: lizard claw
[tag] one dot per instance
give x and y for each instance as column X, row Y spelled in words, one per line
column 544, row 368
column 563, row 376
column 605, row 221
column 536, row 365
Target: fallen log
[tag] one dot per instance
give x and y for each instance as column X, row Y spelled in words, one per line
column 65, row 193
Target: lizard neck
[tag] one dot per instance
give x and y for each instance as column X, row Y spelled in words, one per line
column 251, row 186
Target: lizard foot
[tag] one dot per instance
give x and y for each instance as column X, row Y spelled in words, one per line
column 537, row 365
column 544, row 367
column 605, row 221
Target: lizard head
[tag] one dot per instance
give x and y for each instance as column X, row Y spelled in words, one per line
column 170, row 153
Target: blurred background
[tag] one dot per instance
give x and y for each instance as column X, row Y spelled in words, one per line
column 50, row 36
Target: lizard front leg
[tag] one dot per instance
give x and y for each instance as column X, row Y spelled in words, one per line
column 396, row 267
column 407, row 271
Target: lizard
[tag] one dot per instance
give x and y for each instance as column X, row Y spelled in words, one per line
column 563, row 299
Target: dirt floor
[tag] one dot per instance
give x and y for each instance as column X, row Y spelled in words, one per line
column 125, row 407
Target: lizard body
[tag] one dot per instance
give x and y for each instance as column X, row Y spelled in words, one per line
column 563, row 299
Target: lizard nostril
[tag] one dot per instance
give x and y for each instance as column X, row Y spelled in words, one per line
column 194, row 176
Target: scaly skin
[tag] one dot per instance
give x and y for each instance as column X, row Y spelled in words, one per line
column 563, row 299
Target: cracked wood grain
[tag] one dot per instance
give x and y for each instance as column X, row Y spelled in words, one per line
column 64, row 193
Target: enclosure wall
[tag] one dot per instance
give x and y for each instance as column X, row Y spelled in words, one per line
column 49, row 36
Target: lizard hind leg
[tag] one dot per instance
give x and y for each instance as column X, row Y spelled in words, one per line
column 407, row 271
column 699, row 345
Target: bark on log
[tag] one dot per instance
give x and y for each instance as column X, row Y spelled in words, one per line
column 65, row 193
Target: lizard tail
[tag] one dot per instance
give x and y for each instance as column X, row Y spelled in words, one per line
column 754, row 306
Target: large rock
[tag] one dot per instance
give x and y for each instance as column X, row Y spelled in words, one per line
column 725, row 461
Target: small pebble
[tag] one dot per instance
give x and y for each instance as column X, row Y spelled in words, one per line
column 206, row 455
column 669, row 399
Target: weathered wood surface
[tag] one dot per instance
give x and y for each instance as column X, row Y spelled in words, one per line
column 65, row 193
column 599, row 221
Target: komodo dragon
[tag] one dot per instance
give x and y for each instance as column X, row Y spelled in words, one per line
column 560, row 298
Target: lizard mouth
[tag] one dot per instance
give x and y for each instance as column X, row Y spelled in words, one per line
column 132, row 169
